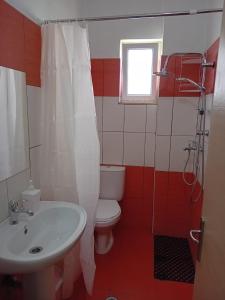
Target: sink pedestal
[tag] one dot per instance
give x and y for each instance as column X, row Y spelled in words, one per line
column 39, row 285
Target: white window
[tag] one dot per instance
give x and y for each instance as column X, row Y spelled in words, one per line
column 139, row 60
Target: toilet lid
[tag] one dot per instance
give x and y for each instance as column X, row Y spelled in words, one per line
column 107, row 209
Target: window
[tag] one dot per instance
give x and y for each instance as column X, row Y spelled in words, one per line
column 139, row 59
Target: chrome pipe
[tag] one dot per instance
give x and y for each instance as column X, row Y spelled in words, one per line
column 138, row 16
column 201, row 88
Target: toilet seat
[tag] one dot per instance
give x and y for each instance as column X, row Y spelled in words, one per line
column 107, row 211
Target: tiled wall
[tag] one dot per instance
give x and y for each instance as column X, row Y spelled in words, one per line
column 11, row 188
column 21, row 50
column 153, row 136
column 126, row 132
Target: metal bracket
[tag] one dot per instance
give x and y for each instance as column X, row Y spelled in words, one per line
column 199, row 241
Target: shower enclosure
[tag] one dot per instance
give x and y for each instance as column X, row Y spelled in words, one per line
column 177, row 222
column 197, row 145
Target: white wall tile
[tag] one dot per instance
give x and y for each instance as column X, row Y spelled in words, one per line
column 162, row 154
column 150, row 150
column 164, row 115
column 98, row 108
column 178, row 156
column 3, row 201
column 135, row 118
column 185, row 116
column 35, row 165
column 113, row 114
column 34, row 114
column 151, row 118
column 112, row 148
column 134, row 147
column 17, row 184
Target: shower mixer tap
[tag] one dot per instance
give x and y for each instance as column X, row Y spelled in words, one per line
column 192, row 146
column 202, row 132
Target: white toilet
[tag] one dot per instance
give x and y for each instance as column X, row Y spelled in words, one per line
column 108, row 210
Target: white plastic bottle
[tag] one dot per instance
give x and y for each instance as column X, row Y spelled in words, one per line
column 31, row 197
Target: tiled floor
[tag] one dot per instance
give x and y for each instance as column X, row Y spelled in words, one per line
column 126, row 272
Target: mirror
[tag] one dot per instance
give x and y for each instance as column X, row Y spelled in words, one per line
column 14, row 149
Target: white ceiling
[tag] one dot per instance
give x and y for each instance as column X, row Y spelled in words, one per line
column 40, row 10
column 53, row 9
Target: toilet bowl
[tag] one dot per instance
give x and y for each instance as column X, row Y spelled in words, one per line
column 108, row 209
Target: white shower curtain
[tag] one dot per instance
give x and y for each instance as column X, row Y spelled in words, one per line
column 70, row 145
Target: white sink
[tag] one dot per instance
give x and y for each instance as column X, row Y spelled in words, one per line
column 54, row 230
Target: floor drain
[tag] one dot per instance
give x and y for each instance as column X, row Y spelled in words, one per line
column 111, row 298
column 35, row 250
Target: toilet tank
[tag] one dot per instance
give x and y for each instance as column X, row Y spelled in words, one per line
column 112, row 179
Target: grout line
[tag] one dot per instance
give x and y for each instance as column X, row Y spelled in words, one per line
column 145, row 140
column 154, row 179
column 109, row 131
column 102, row 129
column 123, row 154
column 171, row 128
column 18, row 173
column 35, row 146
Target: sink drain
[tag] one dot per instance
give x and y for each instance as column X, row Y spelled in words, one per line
column 111, row 298
column 35, row 250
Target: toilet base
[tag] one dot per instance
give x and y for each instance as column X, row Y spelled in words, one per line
column 103, row 240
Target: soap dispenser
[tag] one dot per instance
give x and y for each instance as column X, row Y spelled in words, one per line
column 31, row 197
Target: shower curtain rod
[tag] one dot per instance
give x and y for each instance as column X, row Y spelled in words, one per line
column 138, row 16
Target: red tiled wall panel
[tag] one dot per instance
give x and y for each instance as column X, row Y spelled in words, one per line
column 172, row 206
column 169, row 87
column 97, row 66
column 32, row 35
column 211, row 55
column 20, row 46
column 137, row 202
column 12, row 38
column 161, row 202
column 111, row 77
column 106, row 77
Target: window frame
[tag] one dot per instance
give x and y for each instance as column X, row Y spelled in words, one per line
column 125, row 46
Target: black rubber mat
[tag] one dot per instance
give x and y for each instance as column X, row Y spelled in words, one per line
column 172, row 259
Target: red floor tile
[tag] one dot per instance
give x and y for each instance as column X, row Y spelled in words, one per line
column 126, row 272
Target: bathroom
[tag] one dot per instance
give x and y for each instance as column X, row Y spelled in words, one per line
column 155, row 165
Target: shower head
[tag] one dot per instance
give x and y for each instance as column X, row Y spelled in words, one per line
column 165, row 73
column 162, row 73
column 180, row 79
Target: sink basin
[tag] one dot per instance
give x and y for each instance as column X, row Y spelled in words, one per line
column 39, row 241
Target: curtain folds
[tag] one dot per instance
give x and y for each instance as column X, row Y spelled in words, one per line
column 70, row 146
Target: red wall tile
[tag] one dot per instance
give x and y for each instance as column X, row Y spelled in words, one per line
column 168, row 86
column 172, row 204
column 20, row 45
column 191, row 71
column 12, row 37
column 211, row 55
column 134, row 182
column 32, row 34
column 137, row 202
column 179, row 206
column 97, row 73
column 160, row 201
column 111, row 77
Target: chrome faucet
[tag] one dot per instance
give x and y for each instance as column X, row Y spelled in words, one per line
column 15, row 210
